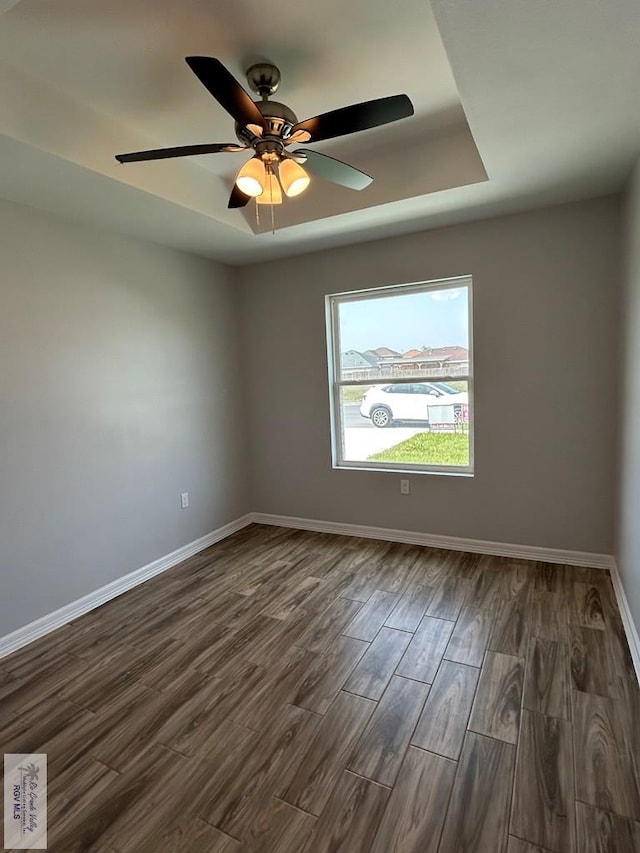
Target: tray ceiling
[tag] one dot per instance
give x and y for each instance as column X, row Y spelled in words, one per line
column 503, row 117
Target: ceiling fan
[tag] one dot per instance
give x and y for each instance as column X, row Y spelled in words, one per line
column 269, row 128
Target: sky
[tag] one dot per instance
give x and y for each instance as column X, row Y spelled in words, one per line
column 433, row 319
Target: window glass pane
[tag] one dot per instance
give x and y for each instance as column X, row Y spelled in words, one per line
column 413, row 334
column 409, row 428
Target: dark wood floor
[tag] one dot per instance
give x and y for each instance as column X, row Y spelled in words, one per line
column 290, row 691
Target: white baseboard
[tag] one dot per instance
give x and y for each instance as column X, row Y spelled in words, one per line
column 627, row 619
column 449, row 543
column 35, row 630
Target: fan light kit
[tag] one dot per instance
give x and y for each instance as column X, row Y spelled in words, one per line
column 269, row 128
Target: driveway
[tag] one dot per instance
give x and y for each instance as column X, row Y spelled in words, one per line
column 359, row 443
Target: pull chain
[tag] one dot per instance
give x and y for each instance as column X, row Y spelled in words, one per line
column 273, row 219
column 271, row 178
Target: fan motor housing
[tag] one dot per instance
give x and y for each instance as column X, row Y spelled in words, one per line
column 279, row 120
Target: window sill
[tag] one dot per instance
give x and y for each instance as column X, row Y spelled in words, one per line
column 397, row 469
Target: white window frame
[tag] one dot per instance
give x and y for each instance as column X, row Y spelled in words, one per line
column 332, row 301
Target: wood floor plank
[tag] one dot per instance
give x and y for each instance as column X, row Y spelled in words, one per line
column 149, row 799
column 326, row 626
column 411, row 607
column 108, row 818
column 585, row 607
column 190, row 834
column 280, row 829
column 623, row 678
column 496, row 708
column 277, row 689
column 517, row 845
column 426, row 650
column 589, row 663
column 71, row 793
column 272, row 643
column 371, row 617
column 222, row 656
column 154, row 716
column 203, row 735
column 327, row 675
column 50, row 728
column 548, row 616
column 547, row 577
column 35, row 658
column 448, row 598
column 23, row 690
column 518, row 579
column 243, row 790
column 374, row 671
column 332, row 587
column 197, row 732
column 605, row 773
column 327, row 753
column 484, row 590
column 443, row 723
column 362, row 585
column 396, row 566
column 432, row 565
column 588, row 574
column 470, row 637
column 350, row 820
column 600, row 830
column 546, row 685
column 478, row 814
column 112, row 674
column 379, row 753
column 285, row 605
column 544, row 791
column 511, row 627
column 413, row 819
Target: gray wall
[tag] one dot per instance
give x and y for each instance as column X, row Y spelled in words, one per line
column 546, row 288
column 119, row 389
column 628, row 539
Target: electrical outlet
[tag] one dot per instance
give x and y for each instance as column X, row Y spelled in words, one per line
column 184, row 500
column 404, row 487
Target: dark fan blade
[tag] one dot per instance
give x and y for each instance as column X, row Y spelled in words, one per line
column 333, row 170
column 225, row 89
column 181, row 151
column 356, row 117
column 238, row 198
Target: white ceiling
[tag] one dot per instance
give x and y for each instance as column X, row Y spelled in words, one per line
column 543, row 96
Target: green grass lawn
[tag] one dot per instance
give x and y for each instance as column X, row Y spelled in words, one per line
column 432, row 448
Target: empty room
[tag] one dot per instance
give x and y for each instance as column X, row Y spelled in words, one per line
column 320, row 426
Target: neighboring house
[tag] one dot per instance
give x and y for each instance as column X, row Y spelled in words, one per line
column 356, row 364
column 381, row 352
column 436, row 361
column 432, row 361
column 426, row 364
column 453, row 355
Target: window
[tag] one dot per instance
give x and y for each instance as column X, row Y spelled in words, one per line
column 401, row 378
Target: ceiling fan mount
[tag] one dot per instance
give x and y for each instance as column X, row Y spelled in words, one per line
column 268, row 128
column 264, row 79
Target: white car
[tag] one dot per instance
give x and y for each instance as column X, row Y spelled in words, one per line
column 385, row 404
